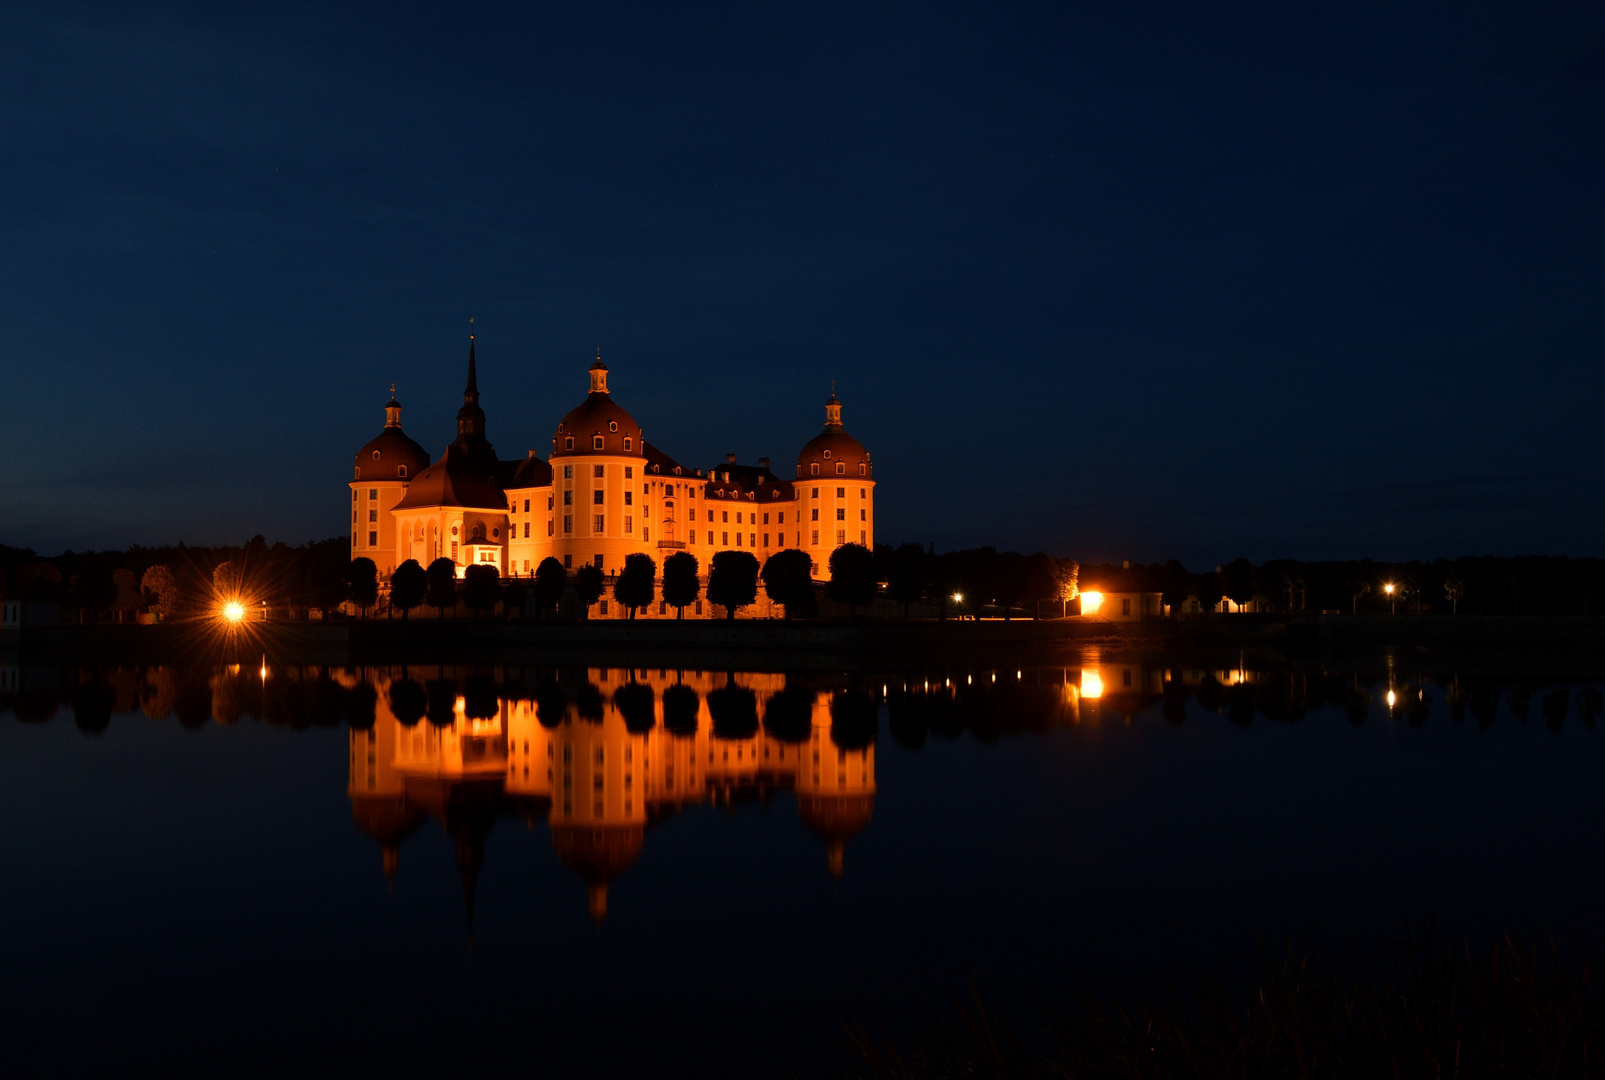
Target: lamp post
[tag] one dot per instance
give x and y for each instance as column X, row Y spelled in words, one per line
column 1393, row 604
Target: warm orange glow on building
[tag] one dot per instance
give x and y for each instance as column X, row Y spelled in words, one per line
column 1091, row 602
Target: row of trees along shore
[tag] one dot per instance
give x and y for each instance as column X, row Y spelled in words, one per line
column 183, row 581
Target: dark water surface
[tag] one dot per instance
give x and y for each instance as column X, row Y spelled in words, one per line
column 587, row 871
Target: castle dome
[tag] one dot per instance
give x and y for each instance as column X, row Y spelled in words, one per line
column 598, row 417
column 390, row 455
column 833, row 447
column 460, row 478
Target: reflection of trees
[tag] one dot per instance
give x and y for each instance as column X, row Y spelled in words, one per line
column 408, row 701
column 1484, row 704
column 789, row 715
column 442, row 702
column 362, row 708
column 680, row 709
column 734, row 711
column 1556, row 704
column 551, row 704
column 634, row 702
column 481, row 697
column 588, row 703
column 853, row 721
column 91, row 706
column 157, row 693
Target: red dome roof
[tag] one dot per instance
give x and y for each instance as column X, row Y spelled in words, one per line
column 390, row 455
column 598, row 853
column 598, row 417
column 458, row 479
column 833, row 447
column 836, row 817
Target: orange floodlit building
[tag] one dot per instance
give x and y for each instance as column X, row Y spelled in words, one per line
column 602, row 493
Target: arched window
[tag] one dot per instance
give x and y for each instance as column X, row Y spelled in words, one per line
column 841, row 468
column 627, row 442
column 863, row 470
column 596, row 442
column 568, row 443
column 813, row 469
column 401, row 471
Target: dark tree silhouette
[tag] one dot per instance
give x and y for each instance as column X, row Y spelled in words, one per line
column 515, row 597
column 362, row 583
column 634, row 702
column 680, row 585
column 633, row 587
column 907, row 573
column 442, row 591
column 92, row 705
column 1208, row 590
column 1237, row 581
column 588, row 586
column 680, row 709
column 409, row 584
column 93, row 590
column 408, row 702
column 482, row 587
column 1174, row 584
column 788, row 580
column 733, row 580
column 852, row 577
column 550, row 582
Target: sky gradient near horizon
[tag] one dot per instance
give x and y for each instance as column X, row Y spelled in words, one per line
column 1131, row 281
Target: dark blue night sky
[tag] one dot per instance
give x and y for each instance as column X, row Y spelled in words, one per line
column 1130, row 280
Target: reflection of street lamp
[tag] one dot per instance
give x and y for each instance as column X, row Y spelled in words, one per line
column 1393, row 608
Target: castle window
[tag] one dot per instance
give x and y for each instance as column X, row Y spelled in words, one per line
column 765, row 539
column 629, row 470
column 724, row 515
column 495, row 533
column 353, row 494
column 841, row 513
column 627, row 443
column 526, row 530
column 598, row 471
column 568, row 444
column 454, row 530
column 596, row 524
column 813, row 469
column 863, row 470
column 752, row 540
column 841, row 537
column 841, row 470
column 841, row 493
column 766, row 519
column 816, row 493
column 816, row 540
column 549, row 502
column 596, row 496
column 781, row 519
column 401, row 471
column 816, row 513
column 373, row 493
column 725, row 539
column 526, row 506
column 613, row 426
column 628, row 497
column 568, row 524
column 738, row 517
column 373, row 515
column 738, row 539
column 863, row 493
column 568, row 498
column 827, row 455
column 568, row 470
column 549, row 525
column 376, row 455
column 373, row 539
column 863, row 515
column 629, row 523
column 568, row 564
column 596, row 442
column 863, row 537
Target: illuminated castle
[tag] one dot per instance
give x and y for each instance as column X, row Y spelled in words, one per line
column 603, row 493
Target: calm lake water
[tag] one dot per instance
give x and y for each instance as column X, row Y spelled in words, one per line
column 262, row 869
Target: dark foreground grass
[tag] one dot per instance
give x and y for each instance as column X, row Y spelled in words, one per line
column 1427, row 1012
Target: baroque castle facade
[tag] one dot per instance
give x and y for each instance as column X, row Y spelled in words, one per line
column 602, row 494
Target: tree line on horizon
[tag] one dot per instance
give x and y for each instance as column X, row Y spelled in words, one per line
column 180, row 580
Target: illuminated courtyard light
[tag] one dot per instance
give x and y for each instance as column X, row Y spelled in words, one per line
column 1091, row 602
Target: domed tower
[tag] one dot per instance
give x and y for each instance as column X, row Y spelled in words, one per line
column 836, row 788
column 598, row 472
column 835, row 492
column 383, row 469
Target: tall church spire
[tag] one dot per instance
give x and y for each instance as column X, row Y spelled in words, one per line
column 471, row 418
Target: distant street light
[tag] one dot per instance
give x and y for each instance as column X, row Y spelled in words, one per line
column 1393, row 601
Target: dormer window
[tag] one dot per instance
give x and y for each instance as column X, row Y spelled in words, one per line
column 841, row 468
column 627, row 444
column 827, row 455
column 596, row 442
column 613, row 425
column 376, row 455
column 813, row 469
column 401, row 471
column 863, row 470
column 568, row 443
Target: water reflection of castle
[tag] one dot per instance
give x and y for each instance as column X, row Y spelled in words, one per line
column 601, row 760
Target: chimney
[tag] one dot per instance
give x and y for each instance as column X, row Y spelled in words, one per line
column 1126, row 565
column 532, row 453
column 763, row 463
column 730, row 459
column 1218, row 568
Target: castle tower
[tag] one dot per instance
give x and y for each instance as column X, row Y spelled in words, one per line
column 835, row 489
column 383, row 469
column 598, row 475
